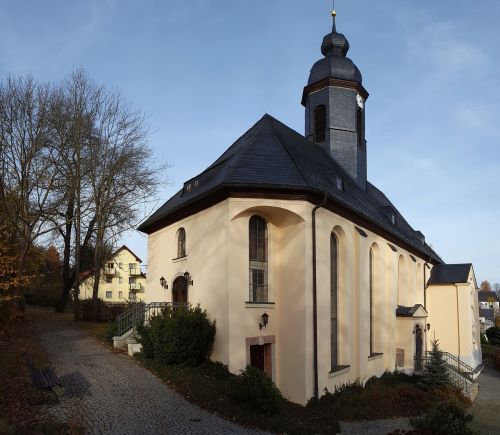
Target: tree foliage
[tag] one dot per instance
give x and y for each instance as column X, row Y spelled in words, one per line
column 485, row 286
column 75, row 165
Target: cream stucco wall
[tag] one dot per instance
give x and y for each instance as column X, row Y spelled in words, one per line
column 454, row 318
column 119, row 286
column 217, row 259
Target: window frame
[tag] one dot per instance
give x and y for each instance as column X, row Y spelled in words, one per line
column 181, row 243
column 258, row 260
column 319, row 120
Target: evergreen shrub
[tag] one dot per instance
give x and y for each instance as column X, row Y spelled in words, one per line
column 493, row 335
column 255, row 389
column 180, row 335
column 444, row 418
column 436, row 372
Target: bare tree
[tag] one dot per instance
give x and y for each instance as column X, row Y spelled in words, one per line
column 124, row 177
column 26, row 159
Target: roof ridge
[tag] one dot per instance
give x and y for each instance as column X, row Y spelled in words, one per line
column 287, row 152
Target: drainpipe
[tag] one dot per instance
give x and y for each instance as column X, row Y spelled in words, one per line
column 458, row 326
column 315, row 306
column 425, row 306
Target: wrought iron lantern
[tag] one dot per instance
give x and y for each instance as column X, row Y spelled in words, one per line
column 264, row 321
column 163, row 283
column 188, row 278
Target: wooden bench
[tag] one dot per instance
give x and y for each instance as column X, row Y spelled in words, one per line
column 43, row 378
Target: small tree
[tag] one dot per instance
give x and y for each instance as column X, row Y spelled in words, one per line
column 436, row 372
column 486, row 286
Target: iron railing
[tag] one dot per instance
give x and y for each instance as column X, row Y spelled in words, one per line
column 140, row 313
column 461, row 374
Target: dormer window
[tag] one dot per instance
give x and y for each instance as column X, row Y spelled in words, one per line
column 339, row 182
column 390, row 214
column 320, row 124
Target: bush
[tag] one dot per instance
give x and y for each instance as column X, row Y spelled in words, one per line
column 443, row 419
column 106, row 312
column 111, row 331
column 493, row 335
column 255, row 389
column 182, row 335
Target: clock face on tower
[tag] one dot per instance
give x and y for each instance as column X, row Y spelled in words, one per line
column 360, row 101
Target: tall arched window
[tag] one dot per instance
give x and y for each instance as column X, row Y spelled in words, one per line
column 334, row 290
column 319, row 124
column 258, row 259
column 181, row 243
column 402, row 280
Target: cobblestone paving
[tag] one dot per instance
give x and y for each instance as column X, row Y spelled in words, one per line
column 111, row 394
column 486, row 408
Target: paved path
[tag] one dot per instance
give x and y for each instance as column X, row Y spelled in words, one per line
column 486, row 408
column 108, row 393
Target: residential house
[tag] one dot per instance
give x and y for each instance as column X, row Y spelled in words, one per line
column 121, row 280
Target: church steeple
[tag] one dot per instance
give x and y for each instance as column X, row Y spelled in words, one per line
column 334, row 100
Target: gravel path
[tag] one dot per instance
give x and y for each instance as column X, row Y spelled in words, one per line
column 486, row 408
column 108, row 393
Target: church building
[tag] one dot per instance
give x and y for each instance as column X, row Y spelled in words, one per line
column 310, row 271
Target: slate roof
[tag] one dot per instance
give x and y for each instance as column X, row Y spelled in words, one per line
column 273, row 156
column 402, row 311
column 485, row 296
column 449, row 274
column 487, row 313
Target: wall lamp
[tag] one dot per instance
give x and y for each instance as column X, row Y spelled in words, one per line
column 264, row 321
column 188, row 278
column 163, row 283
column 428, row 326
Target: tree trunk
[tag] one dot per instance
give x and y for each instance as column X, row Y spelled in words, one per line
column 68, row 279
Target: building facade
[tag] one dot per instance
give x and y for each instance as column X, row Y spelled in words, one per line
column 122, row 279
column 311, row 273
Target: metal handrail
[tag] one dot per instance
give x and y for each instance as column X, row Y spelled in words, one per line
column 140, row 314
column 460, row 379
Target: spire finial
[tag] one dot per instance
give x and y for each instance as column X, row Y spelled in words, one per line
column 334, row 15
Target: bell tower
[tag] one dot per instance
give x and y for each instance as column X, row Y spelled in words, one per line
column 334, row 101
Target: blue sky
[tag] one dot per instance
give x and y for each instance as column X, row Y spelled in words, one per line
column 204, row 71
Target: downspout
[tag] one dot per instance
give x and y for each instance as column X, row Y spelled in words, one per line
column 458, row 326
column 315, row 306
column 425, row 307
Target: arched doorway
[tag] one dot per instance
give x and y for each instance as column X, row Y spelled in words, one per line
column 179, row 291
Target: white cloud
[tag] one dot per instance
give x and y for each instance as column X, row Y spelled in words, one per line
column 448, row 51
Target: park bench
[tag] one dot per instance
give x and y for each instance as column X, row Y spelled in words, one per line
column 43, row 378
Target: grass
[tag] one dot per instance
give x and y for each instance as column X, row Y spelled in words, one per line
column 20, row 411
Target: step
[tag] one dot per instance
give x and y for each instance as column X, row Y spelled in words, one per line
column 121, row 341
column 134, row 348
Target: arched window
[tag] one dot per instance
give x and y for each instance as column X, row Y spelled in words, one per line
column 181, row 243
column 319, row 124
column 258, row 259
column 402, row 281
column 360, row 125
column 334, row 289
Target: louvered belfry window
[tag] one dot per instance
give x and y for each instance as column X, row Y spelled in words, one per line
column 258, row 259
column 320, row 124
